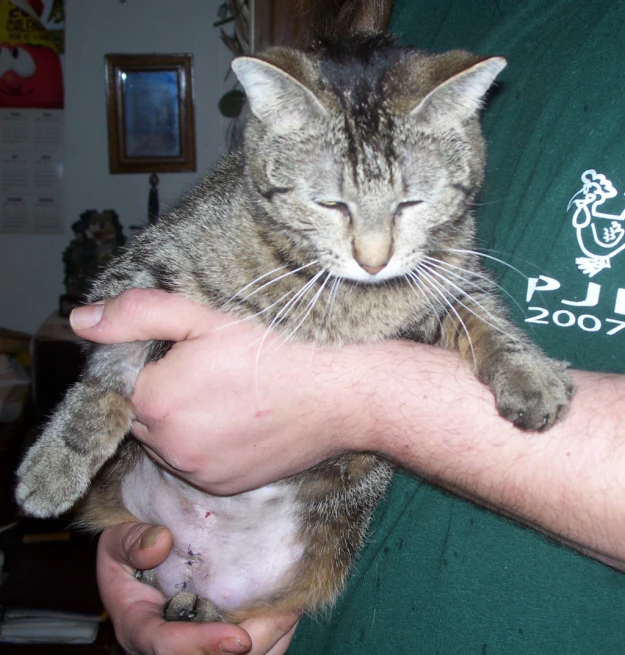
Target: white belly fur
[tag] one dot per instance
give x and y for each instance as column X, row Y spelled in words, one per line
column 232, row 550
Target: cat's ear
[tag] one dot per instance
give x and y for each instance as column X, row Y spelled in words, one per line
column 462, row 95
column 277, row 99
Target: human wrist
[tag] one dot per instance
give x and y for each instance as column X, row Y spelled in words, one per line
column 419, row 403
column 389, row 393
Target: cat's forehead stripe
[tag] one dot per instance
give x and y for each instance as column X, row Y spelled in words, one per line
column 358, row 85
column 370, row 148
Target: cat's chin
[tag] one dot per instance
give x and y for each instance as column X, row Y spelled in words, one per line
column 357, row 274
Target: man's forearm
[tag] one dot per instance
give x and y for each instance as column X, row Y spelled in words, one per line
column 419, row 405
column 433, row 417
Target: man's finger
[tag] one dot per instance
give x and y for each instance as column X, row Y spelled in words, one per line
column 142, row 315
column 271, row 636
column 136, row 608
column 137, row 545
column 282, row 645
column 144, row 631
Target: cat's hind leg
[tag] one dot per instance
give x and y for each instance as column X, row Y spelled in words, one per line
column 186, row 606
column 83, row 433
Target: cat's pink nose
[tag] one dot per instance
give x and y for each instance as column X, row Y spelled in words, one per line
column 373, row 269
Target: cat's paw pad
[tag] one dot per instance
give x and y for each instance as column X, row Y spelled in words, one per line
column 51, row 480
column 185, row 606
column 534, row 393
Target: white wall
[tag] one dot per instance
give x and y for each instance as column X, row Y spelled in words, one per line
column 31, row 271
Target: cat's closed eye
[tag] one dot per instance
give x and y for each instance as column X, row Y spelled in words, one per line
column 406, row 204
column 337, row 205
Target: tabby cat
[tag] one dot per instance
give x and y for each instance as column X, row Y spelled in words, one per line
column 346, row 217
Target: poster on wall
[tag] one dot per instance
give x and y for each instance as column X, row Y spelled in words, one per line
column 31, row 116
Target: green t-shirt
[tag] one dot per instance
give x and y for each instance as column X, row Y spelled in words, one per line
column 440, row 575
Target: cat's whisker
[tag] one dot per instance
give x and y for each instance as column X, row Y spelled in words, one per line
column 292, row 304
column 476, row 253
column 331, row 298
column 447, row 267
column 440, row 291
column 269, row 307
column 253, row 282
column 485, row 204
column 277, row 319
column 416, row 284
column 309, row 307
column 497, row 321
column 251, row 317
column 425, row 288
column 262, row 311
column 267, row 284
column 446, row 283
column 483, row 277
column 302, row 293
column 514, row 257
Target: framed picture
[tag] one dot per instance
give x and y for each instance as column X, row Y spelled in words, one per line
column 151, row 127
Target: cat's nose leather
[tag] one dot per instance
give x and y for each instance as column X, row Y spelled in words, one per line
column 372, row 252
column 372, row 269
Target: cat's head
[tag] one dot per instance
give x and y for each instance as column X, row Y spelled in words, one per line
column 368, row 157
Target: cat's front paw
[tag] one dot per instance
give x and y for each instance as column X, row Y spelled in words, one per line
column 51, row 479
column 185, row 606
column 85, row 430
column 532, row 391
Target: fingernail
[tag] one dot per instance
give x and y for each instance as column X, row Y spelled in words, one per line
column 150, row 537
column 232, row 646
column 86, row 316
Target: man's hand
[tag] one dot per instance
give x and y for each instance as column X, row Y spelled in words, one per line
column 248, row 420
column 136, row 608
column 240, row 396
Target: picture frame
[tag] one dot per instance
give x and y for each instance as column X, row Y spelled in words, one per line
column 150, row 113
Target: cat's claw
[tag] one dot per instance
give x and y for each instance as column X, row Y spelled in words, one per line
column 533, row 393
